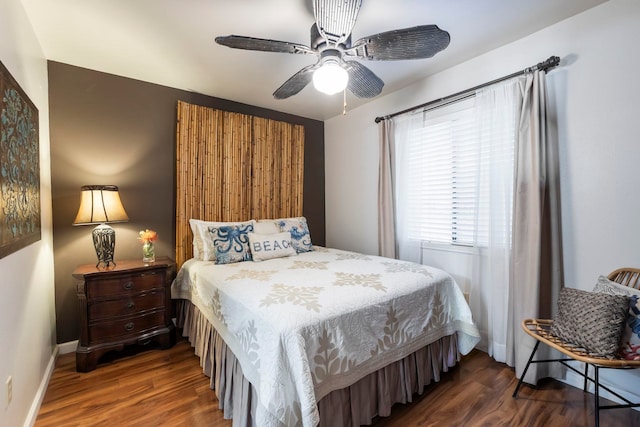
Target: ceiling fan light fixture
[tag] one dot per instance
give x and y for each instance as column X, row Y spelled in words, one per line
column 330, row 78
column 330, row 36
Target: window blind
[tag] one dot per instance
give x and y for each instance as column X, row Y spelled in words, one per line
column 444, row 164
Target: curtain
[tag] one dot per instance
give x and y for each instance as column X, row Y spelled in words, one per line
column 234, row 167
column 497, row 112
column 517, row 272
column 536, row 267
column 386, row 179
column 407, row 249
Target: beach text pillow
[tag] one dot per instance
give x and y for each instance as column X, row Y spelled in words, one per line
column 268, row 246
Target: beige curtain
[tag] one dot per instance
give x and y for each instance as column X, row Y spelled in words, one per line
column 536, row 267
column 386, row 202
column 521, row 280
column 234, row 167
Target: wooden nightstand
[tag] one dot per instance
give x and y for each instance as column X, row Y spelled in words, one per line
column 129, row 303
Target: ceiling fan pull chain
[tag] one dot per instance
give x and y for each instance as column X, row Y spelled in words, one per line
column 344, row 102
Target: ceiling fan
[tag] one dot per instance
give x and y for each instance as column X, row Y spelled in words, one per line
column 331, row 43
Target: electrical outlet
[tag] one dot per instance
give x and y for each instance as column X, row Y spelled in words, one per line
column 9, row 390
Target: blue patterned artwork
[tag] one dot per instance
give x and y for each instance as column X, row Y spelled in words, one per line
column 19, row 167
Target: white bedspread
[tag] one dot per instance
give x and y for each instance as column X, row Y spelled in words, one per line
column 306, row 325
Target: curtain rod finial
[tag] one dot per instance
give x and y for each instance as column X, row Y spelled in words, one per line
column 550, row 63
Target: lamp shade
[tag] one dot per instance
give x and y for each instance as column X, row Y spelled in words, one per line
column 100, row 204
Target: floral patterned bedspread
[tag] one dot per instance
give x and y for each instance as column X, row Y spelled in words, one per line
column 305, row 325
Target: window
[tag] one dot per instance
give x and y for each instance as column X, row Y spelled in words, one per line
column 447, row 168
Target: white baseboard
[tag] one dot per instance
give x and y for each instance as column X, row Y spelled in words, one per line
column 42, row 389
column 64, row 348
column 67, row 347
column 577, row 381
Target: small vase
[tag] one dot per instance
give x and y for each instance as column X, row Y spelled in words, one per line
column 148, row 252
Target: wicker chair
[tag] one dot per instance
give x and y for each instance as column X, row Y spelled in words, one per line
column 540, row 330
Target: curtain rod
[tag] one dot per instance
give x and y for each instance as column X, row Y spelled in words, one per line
column 550, row 63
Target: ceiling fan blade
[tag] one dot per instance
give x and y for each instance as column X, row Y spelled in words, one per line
column 265, row 45
column 336, row 18
column 296, row 83
column 363, row 83
column 419, row 42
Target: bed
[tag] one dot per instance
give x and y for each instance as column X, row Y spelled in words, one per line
column 319, row 336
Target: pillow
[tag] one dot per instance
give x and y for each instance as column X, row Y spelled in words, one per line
column 630, row 348
column 610, row 287
column 299, row 230
column 228, row 243
column 197, row 227
column 630, row 345
column 268, row 246
column 197, row 240
column 591, row 320
column 201, row 244
column 265, row 227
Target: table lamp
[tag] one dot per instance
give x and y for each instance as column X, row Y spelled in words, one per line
column 100, row 204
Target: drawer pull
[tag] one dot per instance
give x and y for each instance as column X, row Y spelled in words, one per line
column 130, row 304
column 129, row 326
column 128, row 285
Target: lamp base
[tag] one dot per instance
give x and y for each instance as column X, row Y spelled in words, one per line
column 104, row 240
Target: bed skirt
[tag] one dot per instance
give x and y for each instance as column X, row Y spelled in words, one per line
column 355, row 405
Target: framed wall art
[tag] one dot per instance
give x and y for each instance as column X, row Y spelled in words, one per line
column 19, row 167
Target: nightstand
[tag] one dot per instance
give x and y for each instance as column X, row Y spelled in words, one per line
column 129, row 303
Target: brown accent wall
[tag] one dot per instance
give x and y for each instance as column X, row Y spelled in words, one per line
column 107, row 129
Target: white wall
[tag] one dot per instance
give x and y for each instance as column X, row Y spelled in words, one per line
column 27, row 315
column 596, row 91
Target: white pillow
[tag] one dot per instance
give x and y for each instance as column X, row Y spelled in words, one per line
column 268, row 246
column 266, row 227
column 610, row 287
column 196, row 228
column 197, row 240
column 201, row 236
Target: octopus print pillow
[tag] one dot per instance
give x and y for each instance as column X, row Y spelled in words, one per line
column 299, row 230
column 229, row 243
column 202, row 244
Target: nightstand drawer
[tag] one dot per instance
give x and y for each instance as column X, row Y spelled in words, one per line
column 99, row 288
column 130, row 326
column 128, row 303
column 126, row 306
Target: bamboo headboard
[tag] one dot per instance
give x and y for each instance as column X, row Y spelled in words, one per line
column 234, row 167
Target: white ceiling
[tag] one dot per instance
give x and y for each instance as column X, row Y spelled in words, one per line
column 171, row 42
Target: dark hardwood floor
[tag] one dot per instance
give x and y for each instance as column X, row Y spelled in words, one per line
column 168, row 388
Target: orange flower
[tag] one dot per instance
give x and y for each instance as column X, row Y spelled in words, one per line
column 147, row 236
